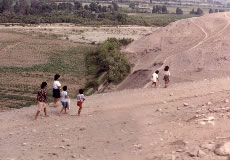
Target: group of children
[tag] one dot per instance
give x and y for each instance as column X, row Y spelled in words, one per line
column 63, row 95
column 155, row 76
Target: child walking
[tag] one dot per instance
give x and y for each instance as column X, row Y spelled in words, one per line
column 64, row 100
column 155, row 78
column 41, row 99
column 80, row 100
column 166, row 76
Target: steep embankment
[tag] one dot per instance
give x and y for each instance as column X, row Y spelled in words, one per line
column 196, row 48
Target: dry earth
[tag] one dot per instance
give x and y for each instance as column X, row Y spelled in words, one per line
column 195, row 49
column 187, row 121
column 84, row 34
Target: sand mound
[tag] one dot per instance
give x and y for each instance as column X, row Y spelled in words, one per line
column 195, row 48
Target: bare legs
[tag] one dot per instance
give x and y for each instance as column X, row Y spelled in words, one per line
column 41, row 105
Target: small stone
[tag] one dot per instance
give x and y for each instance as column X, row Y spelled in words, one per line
column 138, row 146
column 196, row 95
column 185, row 104
column 11, row 133
column 223, row 149
column 164, row 102
column 82, row 129
column 226, row 101
column 211, row 92
column 171, row 94
column 158, row 110
column 24, row 144
column 202, row 123
column 193, row 153
column 83, row 147
column 63, row 147
column 74, row 156
column 56, row 125
column 34, row 130
column 209, row 103
column 201, row 153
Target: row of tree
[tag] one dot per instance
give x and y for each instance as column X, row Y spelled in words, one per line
column 160, row 9
column 37, row 7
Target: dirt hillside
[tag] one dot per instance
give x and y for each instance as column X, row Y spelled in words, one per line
column 195, row 49
column 187, row 121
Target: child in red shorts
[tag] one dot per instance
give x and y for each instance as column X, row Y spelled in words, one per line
column 155, row 78
column 80, row 100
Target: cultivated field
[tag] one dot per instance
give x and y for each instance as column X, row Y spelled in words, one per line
column 28, row 59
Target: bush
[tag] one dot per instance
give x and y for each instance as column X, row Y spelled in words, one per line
column 109, row 62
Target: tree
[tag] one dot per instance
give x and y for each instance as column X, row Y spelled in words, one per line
column 77, row 5
column 154, row 9
column 6, row 5
column 164, row 10
column 199, row 11
column 179, row 11
column 122, row 18
column 192, row 11
column 210, row 11
column 86, row 7
column 17, row 8
column 104, row 9
column 115, row 6
column 132, row 5
column 93, row 6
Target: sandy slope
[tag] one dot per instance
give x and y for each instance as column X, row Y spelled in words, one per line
column 144, row 123
column 195, row 48
column 122, row 125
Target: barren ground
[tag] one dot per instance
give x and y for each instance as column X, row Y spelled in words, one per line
column 186, row 121
column 84, row 34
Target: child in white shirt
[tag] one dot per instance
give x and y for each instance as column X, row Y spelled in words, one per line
column 80, row 100
column 64, row 99
column 155, row 78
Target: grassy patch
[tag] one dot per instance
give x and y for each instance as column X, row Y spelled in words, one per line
column 19, row 84
column 156, row 19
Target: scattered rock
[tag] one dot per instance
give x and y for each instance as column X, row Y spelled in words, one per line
column 82, row 129
column 74, row 156
column 201, row 153
column 203, row 123
column 158, row 110
column 193, row 152
column 223, row 149
column 138, row 146
column 185, row 104
column 24, row 144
